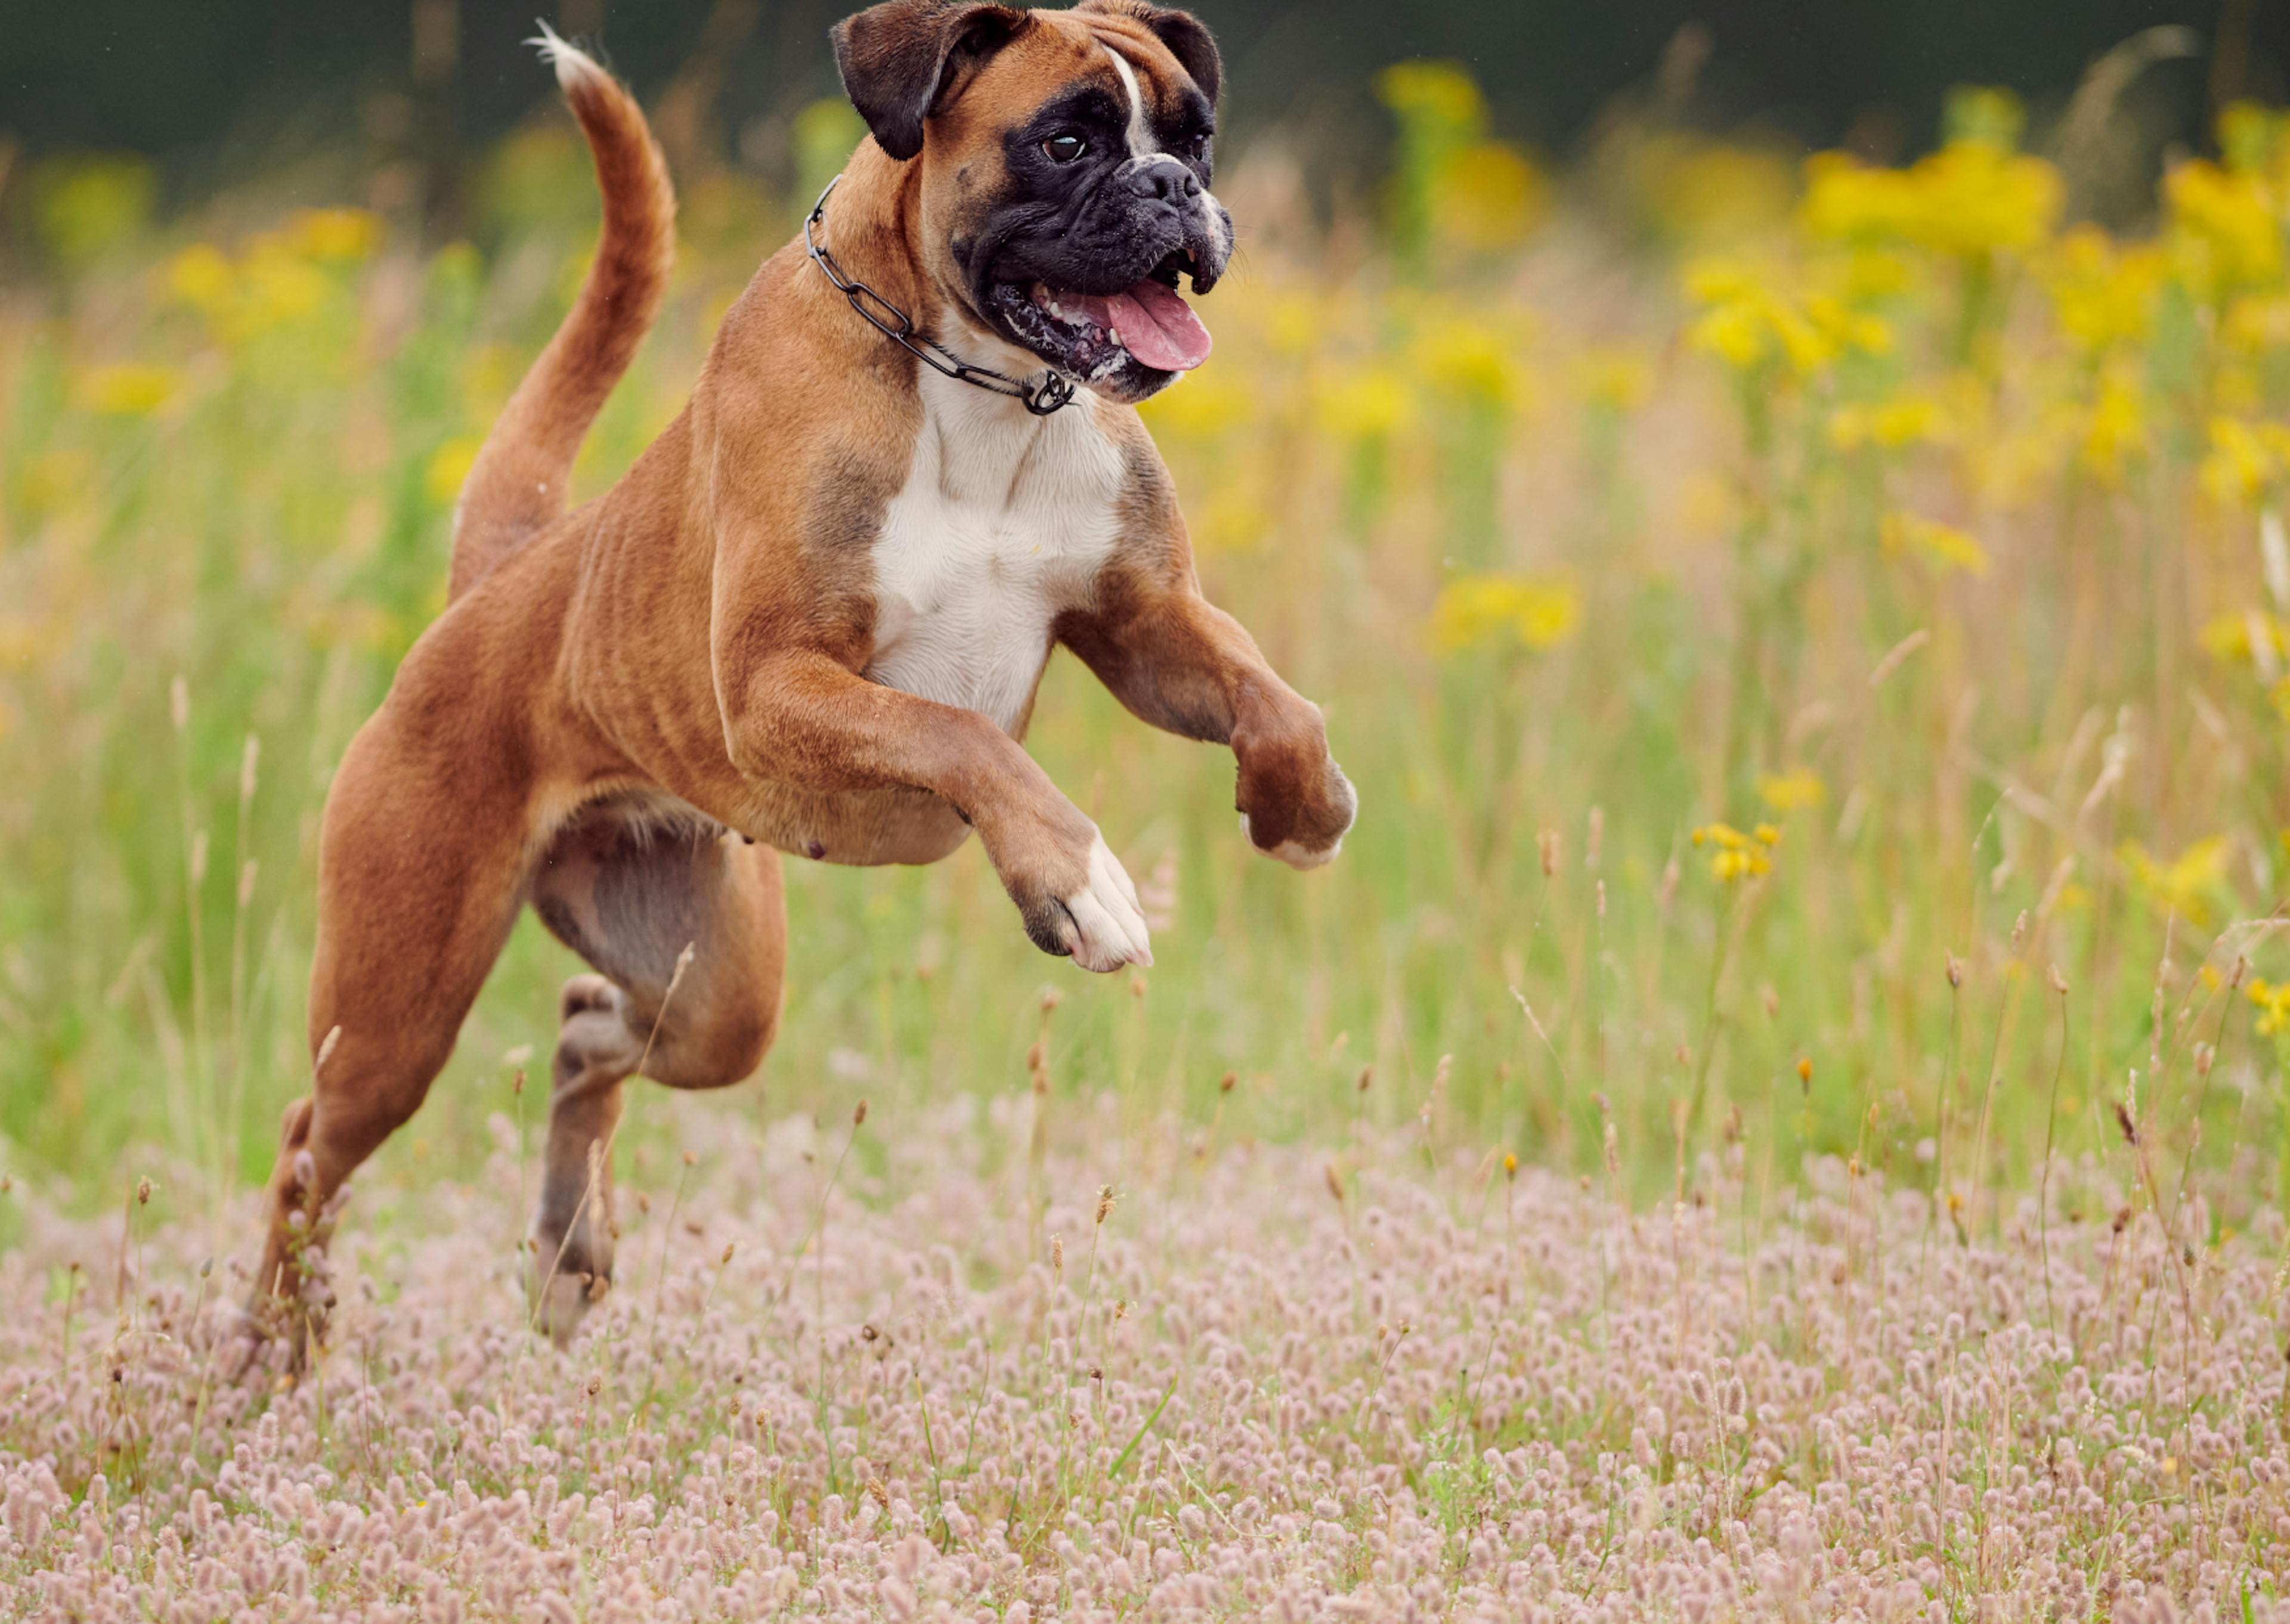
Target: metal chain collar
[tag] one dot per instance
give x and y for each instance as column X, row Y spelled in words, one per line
column 1055, row 389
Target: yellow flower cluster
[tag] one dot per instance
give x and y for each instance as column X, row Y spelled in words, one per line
column 1911, row 418
column 2246, row 460
column 128, row 389
column 1944, row 546
column 278, row 279
column 1973, row 197
column 2273, row 1001
column 1752, row 319
column 2248, row 637
column 2185, row 885
column 2225, row 226
column 1479, row 193
column 1494, row 607
column 2102, row 295
column 1470, row 361
column 1787, row 792
column 1737, row 856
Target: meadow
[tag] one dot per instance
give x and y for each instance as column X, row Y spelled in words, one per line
column 1778, row 1111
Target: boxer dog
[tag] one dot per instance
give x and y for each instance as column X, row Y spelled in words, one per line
column 813, row 616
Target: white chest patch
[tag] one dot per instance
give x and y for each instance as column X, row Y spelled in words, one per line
column 1003, row 522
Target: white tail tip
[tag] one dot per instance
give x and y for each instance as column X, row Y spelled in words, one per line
column 568, row 59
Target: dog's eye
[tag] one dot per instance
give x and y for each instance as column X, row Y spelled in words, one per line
column 1065, row 148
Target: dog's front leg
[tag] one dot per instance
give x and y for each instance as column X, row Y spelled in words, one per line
column 807, row 720
column 1181, row 663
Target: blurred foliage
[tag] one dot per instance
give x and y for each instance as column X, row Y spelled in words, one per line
column 1742, row 592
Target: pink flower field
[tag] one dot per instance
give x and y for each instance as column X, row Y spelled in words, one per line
column 946, row 1378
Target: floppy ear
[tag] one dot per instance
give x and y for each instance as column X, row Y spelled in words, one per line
column 1186, row 35
column 897, row 58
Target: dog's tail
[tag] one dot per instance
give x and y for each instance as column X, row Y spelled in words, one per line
column 517, row 483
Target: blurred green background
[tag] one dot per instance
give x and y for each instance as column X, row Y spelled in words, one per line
column 217, row 91
column 1784, row 506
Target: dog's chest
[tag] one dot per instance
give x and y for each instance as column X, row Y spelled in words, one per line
column 1003, row 524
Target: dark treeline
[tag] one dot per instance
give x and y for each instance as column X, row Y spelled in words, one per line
column 191, row 82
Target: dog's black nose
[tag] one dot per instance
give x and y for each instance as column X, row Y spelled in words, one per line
column 1169, row 182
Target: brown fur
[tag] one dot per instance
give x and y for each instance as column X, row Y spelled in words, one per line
column 615, row 698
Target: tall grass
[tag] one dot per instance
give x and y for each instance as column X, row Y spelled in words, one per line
column 1771, row 645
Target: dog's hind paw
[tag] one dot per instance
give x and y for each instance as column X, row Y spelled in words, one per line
column 559, row 1306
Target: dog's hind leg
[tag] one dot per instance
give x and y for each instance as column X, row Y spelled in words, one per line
column 630, row 895
column 422, row 860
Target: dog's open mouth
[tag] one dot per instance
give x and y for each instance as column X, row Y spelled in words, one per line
column 1091, row 335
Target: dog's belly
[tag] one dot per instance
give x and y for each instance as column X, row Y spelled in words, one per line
column 865, row 826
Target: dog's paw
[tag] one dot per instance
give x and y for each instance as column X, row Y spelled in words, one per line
column 247, row 1346
column 1104, row 922
column 1295, row 853
column 1311, row 826
column 559, row 1305
column 1075, row 898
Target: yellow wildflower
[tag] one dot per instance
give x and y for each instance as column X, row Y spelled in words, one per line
column 2246, row 459
column 1488, row 197
column 1749, row 320
column 85, row 204
column 1974, row 196
column 1442, row 91
column 2225, row 234
column 1904, row 420
column 128, row 389
column 1847, row 199
column 449, row 468
column 1477, row 608
column 2103, row 296
column 335, row 234
column 1707, row 192
column 1204, row 406
column 2183, row 885
column 2254, row 138
column 51, row 479
column 1470, row 361
column 1943, row 545
column 1978, row 197
column 2246, row 636
column 2256, row 323
column 1736, row 856
column 1296, row 323
column 280, row 287
column 1371, row 403
column 2117, row 430
column 1230, row 522
column 2273, row 1001
column 1787, row 792
column 201, row 276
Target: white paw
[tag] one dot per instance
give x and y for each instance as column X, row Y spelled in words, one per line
column 1109, row 923
column 1294, row 853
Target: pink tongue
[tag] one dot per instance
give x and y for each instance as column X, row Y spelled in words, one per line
column 1156, row 325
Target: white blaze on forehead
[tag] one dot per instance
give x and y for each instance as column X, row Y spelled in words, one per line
column 1141, row 134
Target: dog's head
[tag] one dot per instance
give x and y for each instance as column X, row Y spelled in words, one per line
column 1065, row 160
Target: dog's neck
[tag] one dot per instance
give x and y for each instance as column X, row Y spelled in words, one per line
column 873, row 225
